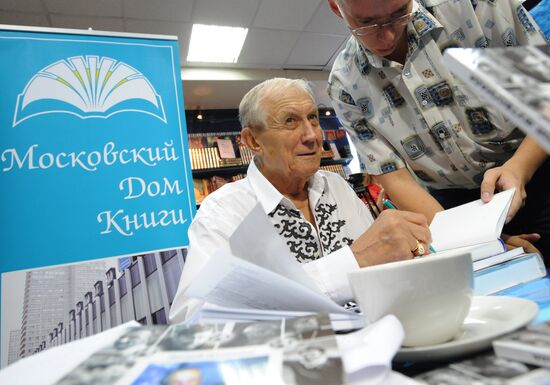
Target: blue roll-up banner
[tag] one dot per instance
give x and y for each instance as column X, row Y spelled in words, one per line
column 93, row 148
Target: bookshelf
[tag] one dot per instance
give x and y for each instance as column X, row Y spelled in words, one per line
column 218, row 157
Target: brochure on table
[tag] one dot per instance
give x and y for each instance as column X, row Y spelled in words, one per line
column 93, row 149
column 301, row 350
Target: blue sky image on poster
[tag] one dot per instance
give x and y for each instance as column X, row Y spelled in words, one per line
column 93, row 148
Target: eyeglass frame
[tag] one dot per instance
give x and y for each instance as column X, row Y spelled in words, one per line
column 376, row 27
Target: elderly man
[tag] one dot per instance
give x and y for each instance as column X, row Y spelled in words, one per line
column 327, row 227
column 401, row 106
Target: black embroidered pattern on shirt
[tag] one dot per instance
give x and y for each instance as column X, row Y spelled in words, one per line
column 297, row 233
column 329, row 230
column 300, row 235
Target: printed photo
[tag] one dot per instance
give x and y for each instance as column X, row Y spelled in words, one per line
column 72, row 301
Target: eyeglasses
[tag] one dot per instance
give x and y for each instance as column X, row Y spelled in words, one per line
column 372, row 29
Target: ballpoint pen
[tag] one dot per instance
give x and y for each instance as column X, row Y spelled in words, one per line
column 388, row 204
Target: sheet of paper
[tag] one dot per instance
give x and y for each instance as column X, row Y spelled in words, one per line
column 215, row 313
column 233, row 282
column 268, row 249
column 472, row 223
column 372, row 347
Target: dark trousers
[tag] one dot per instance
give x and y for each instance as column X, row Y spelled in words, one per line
column 534, row 217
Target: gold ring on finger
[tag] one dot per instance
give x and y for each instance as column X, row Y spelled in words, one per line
column 419, row 249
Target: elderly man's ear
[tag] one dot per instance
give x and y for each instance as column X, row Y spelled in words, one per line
column 247, row 137
column 334, row 7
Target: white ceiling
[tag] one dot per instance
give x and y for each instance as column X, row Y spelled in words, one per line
column 294, row 38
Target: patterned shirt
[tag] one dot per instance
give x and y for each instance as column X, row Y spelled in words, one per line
column 418, row 113
column 340, row 217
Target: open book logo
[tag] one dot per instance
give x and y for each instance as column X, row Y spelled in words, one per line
column 88, row 87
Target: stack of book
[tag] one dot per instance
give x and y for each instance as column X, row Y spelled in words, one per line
column 505, row 270
column 475, row 228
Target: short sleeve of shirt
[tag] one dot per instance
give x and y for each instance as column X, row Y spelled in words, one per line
column 376, row 153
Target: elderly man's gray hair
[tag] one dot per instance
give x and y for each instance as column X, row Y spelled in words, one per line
column 251, row 109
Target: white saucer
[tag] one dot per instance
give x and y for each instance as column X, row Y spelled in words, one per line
column 489, row 317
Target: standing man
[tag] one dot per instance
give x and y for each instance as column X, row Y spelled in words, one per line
column 402, row 107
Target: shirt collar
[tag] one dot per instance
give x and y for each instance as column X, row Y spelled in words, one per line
column 269, row 197
column 422, row 22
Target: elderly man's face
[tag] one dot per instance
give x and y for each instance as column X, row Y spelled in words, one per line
column 291, row 142
column 392, row 14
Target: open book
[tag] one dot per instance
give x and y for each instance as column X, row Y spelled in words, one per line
column 515, row 80
column 473, row 227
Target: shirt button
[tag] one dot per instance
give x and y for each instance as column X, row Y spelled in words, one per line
column 424, row 102
column 407, row 73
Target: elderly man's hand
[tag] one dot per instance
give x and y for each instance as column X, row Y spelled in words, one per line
column 392, row 237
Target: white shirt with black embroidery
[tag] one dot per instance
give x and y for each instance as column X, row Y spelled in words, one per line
column 340, row 216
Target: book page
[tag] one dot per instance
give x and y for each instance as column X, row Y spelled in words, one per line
column 268, row 250
column 472, row 223
column 230, row 281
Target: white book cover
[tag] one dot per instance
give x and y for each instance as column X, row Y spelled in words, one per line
column 515, row 80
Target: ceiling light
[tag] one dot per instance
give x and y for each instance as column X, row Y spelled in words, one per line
column 216, row 44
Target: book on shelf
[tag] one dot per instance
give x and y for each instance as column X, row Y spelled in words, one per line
column 486, row 369
column 225, row 148
column 530, row 345
column 218, row 150
column 514, row 80
column 205, row 186
column 524, row 268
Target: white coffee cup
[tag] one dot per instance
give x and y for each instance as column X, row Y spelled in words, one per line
column 431, row 296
